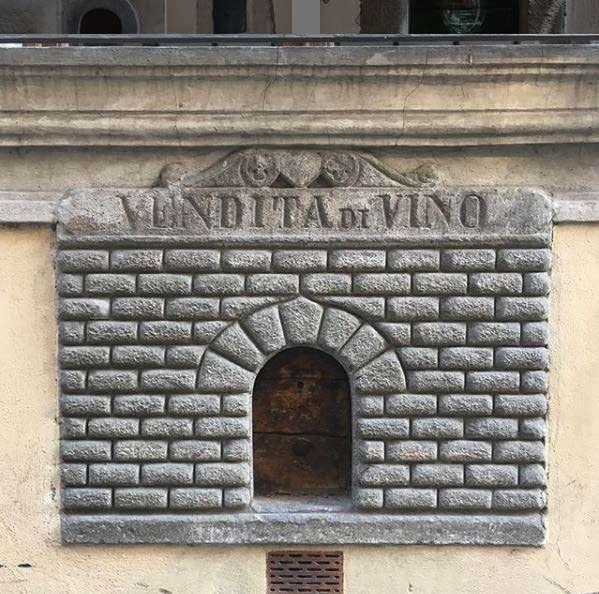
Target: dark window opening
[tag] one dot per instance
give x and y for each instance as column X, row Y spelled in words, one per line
column 302, row 426
column 229, row 16
column 100, row 21
column 465, row 17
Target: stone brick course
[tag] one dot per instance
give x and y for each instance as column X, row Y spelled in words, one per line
column 159, row 348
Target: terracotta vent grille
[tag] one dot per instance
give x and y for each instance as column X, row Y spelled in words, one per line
column 305, row 572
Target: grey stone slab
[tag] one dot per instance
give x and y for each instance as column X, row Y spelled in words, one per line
column 143, row 216
column 306, row 528
column 383, row 375
column 337, row 328
column 235, row 344
column 175, row 296
column 301, row 320
column 362, row 347
column 218, row 374
column 265, row 328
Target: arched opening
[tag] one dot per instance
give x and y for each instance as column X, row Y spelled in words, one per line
column 100, row 21
column 302, row 426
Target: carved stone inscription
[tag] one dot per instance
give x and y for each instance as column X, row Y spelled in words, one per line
column 308, row 215
column 204, row 211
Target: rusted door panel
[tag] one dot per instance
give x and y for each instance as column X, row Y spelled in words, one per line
column 302, row 431
column 300, row 465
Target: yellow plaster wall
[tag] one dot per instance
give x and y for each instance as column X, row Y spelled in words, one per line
column 29, row 485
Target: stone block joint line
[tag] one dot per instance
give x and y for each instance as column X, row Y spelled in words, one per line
column 172, row 300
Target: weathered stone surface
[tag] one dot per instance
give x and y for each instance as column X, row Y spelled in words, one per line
column 307, row 528
column 337, row 328
column 218, row 374
column 301, row 321
column 265, row 328
column 362, row 347
column 384, row 375
column 234, row 344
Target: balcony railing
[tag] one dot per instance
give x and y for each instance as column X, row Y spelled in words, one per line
column 291, row 40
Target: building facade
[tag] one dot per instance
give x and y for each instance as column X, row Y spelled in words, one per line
column 274, row 307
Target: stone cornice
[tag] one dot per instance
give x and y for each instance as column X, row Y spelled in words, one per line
column 358, row 96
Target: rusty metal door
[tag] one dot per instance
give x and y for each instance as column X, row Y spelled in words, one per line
column 302, row 428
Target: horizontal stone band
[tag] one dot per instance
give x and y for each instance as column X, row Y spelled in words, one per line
column 306, row 528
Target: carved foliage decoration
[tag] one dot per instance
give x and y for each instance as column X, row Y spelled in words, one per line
column 263, row 168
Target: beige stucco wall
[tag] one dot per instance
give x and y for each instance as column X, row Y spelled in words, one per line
column 29, row 485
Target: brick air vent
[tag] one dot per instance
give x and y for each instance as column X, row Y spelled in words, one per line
column 308, row 572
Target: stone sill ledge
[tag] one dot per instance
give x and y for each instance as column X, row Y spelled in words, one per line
column 474, row 55
column 39, row 208
column 306, row 529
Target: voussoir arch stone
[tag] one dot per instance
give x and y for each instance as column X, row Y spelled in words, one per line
column 235, row 356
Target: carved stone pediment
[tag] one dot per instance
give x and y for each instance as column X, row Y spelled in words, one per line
column 264, row 168
column 300, row 197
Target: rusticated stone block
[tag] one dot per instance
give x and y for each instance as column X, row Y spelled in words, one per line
column 438, row 475
column 164, row 284
column 465, row 499
column 110, row 284
column 87, row 499
column 140, row 451
column 222, row 475
column 409, row 405
column 412, row 451
column 81, row 261
column 467, row 260
column 141, row 499
column 357, row 260
column 327, row 284
column 191, row 260
column 491, row 475
column 300, row 260
column 465, row 451
column 113, row 475
column 437, row 428
column 412, row 309
column 414, row 260
column 142, row 405
column 195, row 499
column 524, row 260
column 164, row 474
column 246, row 260
column 138, row 356
column 136, row 260
column 411, row 499
column 385, row 475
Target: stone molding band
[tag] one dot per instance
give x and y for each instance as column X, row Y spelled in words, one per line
column 308, row 528
column 396, row 127
column 544, row 105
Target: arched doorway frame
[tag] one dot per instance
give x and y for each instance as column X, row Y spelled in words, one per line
column 236, row 355
column 122, row 8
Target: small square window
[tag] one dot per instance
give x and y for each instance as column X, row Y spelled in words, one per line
column 464, row 16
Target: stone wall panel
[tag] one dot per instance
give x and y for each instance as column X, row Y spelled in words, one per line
column 161, row 341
